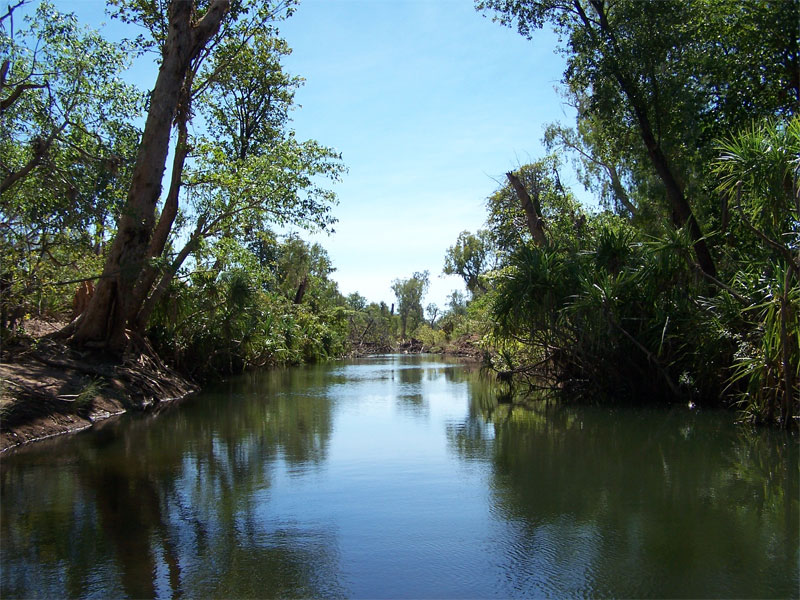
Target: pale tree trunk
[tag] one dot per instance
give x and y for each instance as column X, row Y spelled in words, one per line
column 103, row 323
column 168, row 213
column 532, row 210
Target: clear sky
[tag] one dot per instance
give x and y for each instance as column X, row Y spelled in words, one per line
column 430, row 103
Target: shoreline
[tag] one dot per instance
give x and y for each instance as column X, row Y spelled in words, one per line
column 48, row 389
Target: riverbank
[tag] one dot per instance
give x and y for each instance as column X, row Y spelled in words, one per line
column 49, row 389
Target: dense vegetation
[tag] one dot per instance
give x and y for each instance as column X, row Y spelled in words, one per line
column 207, row 272
column 684, row 285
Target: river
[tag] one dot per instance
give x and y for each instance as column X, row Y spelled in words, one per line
column 400, row 477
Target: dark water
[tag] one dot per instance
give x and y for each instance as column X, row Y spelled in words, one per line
column 401, row 477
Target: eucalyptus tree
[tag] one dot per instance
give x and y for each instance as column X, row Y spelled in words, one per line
column 409, row 293
column 249, row 172
column 181, row 35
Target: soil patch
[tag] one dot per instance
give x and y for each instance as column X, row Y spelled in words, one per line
column 48, row 388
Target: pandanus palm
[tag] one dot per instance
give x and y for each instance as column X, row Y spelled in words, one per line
column 759, row 173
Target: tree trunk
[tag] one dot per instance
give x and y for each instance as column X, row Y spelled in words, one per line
column 532, row 212
column 170, row 210
column 103, row 323
column 682, row 212
column 143, row 316
column 301, row 290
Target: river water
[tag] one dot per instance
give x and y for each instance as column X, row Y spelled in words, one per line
column 401, row 477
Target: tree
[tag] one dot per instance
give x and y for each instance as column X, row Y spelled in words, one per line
column 432, row 311
column 409, row 293
column 66, row 146
column 252, row 172
column 187, row 33
column 677, row 73
column 301, row 267
column 457, row 303
column 249, row 173
column 356, row 301
column 598, row 166
column 469, row 258
column 551, row 209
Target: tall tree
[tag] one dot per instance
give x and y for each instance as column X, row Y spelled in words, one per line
column 409, row 293
column 248, row 173
column 674, row 72
column 187, row 34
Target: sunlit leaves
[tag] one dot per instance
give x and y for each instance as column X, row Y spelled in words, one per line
column 66, row 142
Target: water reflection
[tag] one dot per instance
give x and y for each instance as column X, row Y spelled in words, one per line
column 153, row 511
column 638, row 503
column 401, row 477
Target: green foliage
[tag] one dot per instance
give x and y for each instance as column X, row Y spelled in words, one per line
column 759, row 172
column 222, row 322
column 371, row 326
column 241, row 297
column 88, row 393
column 66, row 145
column 686, row 123
column 470, row 258
column 607, row 310
column 409, row 293
column 433, row 340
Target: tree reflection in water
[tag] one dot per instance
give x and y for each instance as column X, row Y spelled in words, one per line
column 251, row 490
column 174, row 510
column 610, row 502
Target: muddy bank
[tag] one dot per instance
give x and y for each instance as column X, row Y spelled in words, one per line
column 48, row 388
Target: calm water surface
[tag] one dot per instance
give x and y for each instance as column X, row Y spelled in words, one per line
column 397, row 477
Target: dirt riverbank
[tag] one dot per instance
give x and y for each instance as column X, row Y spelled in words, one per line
column 48, row 388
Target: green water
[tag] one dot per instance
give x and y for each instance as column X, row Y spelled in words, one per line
column 400, row 477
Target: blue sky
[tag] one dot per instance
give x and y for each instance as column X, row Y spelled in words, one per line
column 430, row 103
